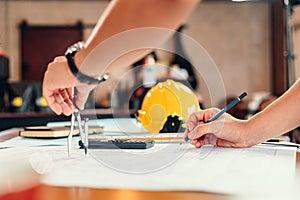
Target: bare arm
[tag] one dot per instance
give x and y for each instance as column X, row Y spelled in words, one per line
column 279, row 117
column 124, row 15
column 120, row 15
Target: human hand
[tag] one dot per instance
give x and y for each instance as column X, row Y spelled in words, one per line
column 58, row 87
column 226, row 131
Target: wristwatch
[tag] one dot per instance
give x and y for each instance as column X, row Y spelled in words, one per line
column 83, row 78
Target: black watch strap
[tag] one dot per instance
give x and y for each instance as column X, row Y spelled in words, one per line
column 83, row 78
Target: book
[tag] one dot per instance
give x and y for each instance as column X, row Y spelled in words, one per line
column 55, row 132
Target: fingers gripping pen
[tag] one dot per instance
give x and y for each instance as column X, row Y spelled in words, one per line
column 225, row 109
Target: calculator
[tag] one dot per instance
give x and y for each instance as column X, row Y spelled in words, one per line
column 120, row 144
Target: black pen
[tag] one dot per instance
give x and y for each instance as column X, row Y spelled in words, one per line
column 287, row 144
column 225, row 109
column 275, row 140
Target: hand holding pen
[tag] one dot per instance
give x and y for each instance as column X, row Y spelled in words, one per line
column 203, row 128
column 228, row 107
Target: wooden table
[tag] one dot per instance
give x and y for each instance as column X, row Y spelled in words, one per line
column 46, row 192
column 79, row 193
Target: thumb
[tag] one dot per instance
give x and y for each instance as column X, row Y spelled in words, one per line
column 216, row 128
column 199, row 131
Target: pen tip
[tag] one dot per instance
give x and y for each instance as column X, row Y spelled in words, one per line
column 243, row 95
column 186, row 139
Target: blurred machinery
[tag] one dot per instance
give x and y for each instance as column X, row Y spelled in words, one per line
column 19, row 96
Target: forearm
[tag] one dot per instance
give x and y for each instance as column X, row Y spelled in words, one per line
column 123, row 15
column 279, row 117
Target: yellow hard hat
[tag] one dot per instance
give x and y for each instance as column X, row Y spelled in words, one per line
column 165, row 99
